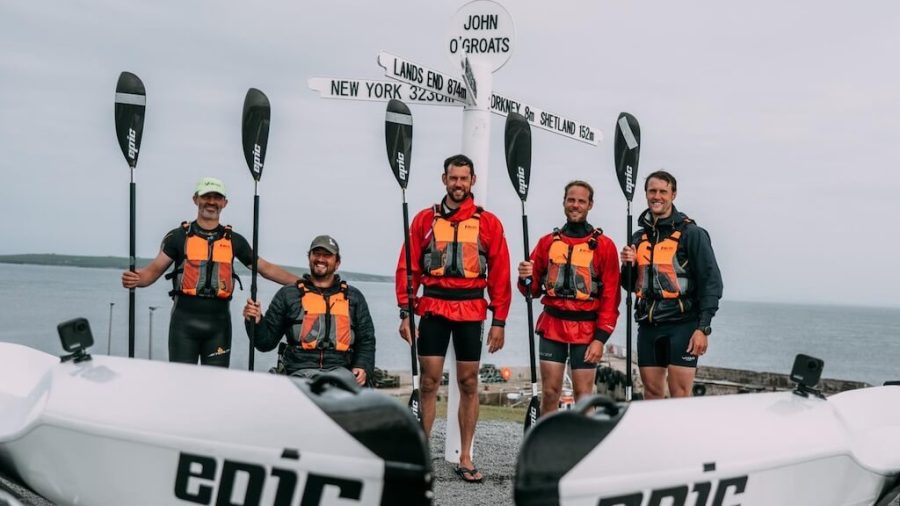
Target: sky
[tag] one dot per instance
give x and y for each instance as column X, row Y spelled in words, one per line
column 780, row 120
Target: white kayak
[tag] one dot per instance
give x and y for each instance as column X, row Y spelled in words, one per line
column 754, row 449
column 119, row 431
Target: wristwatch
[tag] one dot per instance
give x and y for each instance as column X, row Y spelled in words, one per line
column 404, row 314
column 707, row 330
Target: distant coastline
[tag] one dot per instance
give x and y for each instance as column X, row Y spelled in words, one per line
column 109, row 262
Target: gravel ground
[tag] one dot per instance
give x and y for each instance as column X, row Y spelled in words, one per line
column 496, row 449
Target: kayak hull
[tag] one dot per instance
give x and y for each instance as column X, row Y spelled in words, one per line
column 766, row 449
column 119, row 431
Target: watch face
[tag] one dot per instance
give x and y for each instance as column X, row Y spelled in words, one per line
column 706, row 330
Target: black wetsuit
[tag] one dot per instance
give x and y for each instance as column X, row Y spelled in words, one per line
column 200, row 327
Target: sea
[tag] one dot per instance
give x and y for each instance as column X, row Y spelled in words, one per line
column 856, row 343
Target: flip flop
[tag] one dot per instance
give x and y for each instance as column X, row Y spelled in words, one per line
column 468, row 475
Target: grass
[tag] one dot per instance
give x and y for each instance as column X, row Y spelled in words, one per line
column 493, row 413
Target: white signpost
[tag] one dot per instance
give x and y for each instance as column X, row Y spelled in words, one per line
column 480, row 40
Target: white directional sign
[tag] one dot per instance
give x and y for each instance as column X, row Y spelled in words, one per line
column 548, row 121
column 381, row 91
column 421, row 85
column 484, row 30
column 421, row 76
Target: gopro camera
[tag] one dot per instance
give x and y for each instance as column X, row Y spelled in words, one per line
column 806, row 373
column 75, row 336
column 807, row 370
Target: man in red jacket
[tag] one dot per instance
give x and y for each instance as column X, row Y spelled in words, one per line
column 458, row 251
column 576, row 268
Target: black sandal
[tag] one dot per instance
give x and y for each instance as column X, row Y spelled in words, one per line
column 468, row 475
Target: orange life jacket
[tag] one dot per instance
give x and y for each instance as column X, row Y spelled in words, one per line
column 659, row 275
column 455, row 248
column 570, row 269
column 207, row 269
column 324, row 321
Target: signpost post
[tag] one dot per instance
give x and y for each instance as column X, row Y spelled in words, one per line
column 480, row 39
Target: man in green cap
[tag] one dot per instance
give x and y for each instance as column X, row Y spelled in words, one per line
column 203, row 252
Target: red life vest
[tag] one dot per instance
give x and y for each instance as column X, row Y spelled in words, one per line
column 207, row 269
column 324, row 321
column 455, row 248
column 570, row 269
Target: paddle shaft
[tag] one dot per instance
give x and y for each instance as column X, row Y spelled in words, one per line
column 628, row 314
column 528, row 303
column 131, row 254
column 409, row 295
column 253, row 270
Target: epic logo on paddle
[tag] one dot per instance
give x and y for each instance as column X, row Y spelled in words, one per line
column 132, row 148
column 257, row 164
column 629, row 179
column 401, row 166
column 523, row 186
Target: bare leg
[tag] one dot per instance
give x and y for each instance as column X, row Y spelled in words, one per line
column 583, row 382
column 681, row 380
column 551, row 384
column 432, row 369
column 654, row 379
column 467, row 377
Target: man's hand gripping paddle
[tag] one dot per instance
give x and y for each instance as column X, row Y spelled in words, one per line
column 255, row 137
column 398, row 130
column 627, row 151
column 131, row 102
column 517, row 144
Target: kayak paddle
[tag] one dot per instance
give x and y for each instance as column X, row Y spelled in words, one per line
column 627, row 150
column 517, row 143
column 255, row 136
column 131, row 101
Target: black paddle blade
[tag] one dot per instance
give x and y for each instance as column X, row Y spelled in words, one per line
column 398, row 129
column 533, row 412
column 255, row 130
column 517, row 139
column 627, row 151
column 131, row 100
column 415, row 405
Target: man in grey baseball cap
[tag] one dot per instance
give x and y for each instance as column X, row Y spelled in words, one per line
column 326, row 322
column 327, row 243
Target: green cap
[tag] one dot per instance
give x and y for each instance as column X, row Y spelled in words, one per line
column 210, row 185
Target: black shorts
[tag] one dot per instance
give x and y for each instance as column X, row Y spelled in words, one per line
column 555, row 351
column 666, row 344
column 434, row 338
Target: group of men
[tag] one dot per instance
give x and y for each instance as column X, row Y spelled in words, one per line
column 461, row 261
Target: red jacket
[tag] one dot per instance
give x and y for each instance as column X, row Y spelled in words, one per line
column 606, row 266
column 493, row 242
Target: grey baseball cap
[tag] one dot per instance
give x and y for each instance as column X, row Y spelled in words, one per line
column 327, row 243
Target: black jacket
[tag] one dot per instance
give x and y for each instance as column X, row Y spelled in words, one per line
column 695, row 253
column 285, row 311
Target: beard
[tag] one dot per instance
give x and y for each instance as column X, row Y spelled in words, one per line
column 320, row 274
column 457, row 200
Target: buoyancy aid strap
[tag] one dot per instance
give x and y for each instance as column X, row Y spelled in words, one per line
column 575, row 316
column 595, row 235
column 438, row 292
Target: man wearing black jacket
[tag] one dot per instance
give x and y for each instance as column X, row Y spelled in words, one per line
column 326, row 322
column 677, row 286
